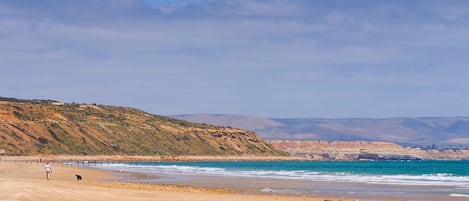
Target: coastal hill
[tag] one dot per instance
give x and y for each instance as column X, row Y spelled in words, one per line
column 421, row 131
column 29, row 127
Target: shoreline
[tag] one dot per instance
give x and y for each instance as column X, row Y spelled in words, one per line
column 295, row 187
column 25, row 180
column 30, row 171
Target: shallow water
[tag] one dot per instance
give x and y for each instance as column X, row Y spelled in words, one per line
column 373, row 180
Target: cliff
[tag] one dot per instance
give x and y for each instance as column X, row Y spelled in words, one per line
column 29, row 127
column 361, row 150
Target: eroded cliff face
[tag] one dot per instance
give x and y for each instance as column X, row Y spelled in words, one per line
column 360, row 150
column 50, row 127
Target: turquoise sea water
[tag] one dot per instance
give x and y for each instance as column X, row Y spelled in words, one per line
column 447, row 179
column 296, row 168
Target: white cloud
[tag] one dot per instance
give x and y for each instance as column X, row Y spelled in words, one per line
column 255, row 57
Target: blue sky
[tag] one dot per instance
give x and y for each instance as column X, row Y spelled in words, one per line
column 268, row 58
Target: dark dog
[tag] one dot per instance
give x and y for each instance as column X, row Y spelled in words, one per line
column 78, row 177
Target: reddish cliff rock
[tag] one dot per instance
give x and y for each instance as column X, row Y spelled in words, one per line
column 360, row 150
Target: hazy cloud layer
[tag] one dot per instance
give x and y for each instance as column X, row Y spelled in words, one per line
column 269, row 58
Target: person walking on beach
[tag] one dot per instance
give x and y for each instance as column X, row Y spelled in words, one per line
column 48, row 170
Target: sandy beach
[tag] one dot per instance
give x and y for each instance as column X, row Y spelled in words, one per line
column 27, row 181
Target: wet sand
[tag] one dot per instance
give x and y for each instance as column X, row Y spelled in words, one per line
column 27, row 181
column 325, row 189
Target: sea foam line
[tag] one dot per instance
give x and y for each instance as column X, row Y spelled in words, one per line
column 459, row 195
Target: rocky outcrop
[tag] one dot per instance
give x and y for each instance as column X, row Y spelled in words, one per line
column 361, row 150
column 50, row 127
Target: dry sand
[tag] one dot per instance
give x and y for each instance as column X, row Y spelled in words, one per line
column 27, row 181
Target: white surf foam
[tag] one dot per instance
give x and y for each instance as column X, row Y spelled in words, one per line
column 459, row 195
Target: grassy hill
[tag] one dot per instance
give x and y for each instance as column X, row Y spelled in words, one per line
column 29, row 127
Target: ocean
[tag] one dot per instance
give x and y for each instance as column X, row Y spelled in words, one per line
column 368, row 180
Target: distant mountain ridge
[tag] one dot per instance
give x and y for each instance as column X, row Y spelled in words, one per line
column 29, row 127
column 419, row 131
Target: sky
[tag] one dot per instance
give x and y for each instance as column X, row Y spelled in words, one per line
column 279, row 58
